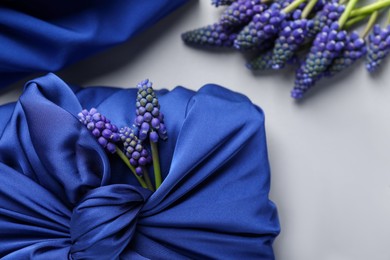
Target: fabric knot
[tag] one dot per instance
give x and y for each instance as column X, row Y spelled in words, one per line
column 104, row 221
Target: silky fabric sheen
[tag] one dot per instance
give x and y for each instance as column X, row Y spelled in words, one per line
column 62, row 196
column 41, row 35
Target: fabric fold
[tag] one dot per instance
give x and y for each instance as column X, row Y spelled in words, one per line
column 104, row 221
column 62, row 195
column 38, row 36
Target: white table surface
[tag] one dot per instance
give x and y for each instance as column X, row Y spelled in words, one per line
column 329, row 155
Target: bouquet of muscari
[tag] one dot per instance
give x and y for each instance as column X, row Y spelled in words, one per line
column 178, row 179
column 279, row 30
column 149, row 124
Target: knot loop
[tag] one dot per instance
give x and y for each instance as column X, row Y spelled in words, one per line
column 104, row 221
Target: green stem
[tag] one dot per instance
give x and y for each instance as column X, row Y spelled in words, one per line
column 348, row 9
column 354, row 20
column 147, row 179
column 131, row 167
column 156, row 164
column 388, row 18
column 291, row 7
column 342, row 2
column 368, row 9
column 308, row 8
column 370, row 24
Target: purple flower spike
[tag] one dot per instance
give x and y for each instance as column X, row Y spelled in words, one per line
column 152, row 122
column 330, row 13
column 378, row 47
column 105, row 132
column 241, row 12
column 262, row 27
column 221, row 2
column 214, row 35
column 327, row 46
column 355, row 48
column 263, row 62
column 291, row 37
column 134, row 150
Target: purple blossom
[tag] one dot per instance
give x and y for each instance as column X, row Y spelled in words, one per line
column 150, row 120
column 355, row 48
column 327, row 46
column 262, row 27
column 241, row 12
column 292, row 35
column 378, row 47
column 100, row 127
column 330, row 13
column 263, row 62
column 134, row 150
column 214, row 35
column 302, row 84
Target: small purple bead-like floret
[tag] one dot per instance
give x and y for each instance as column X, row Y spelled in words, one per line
column 105, row 132
column 150, row 120
column 134, row 150
column 378, row 47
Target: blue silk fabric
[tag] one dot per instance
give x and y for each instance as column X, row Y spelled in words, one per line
column 62, row 196
column 42, row 35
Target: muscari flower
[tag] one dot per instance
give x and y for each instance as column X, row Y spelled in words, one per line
column 134, row 150
column 290, row 38
column 241, row 12
column 327, row 45
column 150, row 119
column 214, row 35
column 263, row 62
column 262, row 27
column 378, row 47
column 354, row 49
column 105, row 132
column 330, row 13
column 221, row 2
column 320, row 5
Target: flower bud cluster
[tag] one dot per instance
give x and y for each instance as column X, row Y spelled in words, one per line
column 105, row 132
column 378, row 47
column 330, row 13
column 150, row 119
column 134, row 150
column 215, row 35
column 291, row 37
column 263, row 62
column 354, row 49
column 263, row 26
column 241, row 12
column 328, row 44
